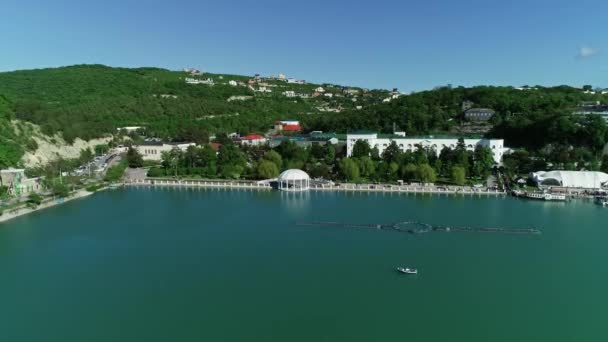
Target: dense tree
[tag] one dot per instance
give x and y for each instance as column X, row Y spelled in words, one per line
column 483, row 161
column 330, row 154
column 60, row 189
column 101, row 149
column 458, row 175
column 349, row 169
column 319, row 170
column 392, row 153
column 361, row 149
column 231, row 161
column 375, row 154
column 134, row 158
column 426, row 174
column 267, row 169
column 191, row 156
column 86, row 155
column 367, row 167
column 274, row 157
column 170, row 161
column 409, row 171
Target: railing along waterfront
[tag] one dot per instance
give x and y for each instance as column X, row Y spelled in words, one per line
column 345, row 187
column 223, row 184
column 407, row 189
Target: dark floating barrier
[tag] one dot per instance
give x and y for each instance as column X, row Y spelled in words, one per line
column 413, row 227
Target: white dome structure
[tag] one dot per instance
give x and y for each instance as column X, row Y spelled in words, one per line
column 572, row 179
column 294, row 180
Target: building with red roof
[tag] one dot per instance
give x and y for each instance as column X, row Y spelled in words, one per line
column 288, row 125
column 253, row 139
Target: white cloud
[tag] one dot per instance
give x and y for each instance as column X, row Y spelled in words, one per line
column 586, row 52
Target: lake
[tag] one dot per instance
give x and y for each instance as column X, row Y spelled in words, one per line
column 212, row 265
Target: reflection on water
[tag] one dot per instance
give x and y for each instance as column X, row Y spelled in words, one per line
column 295, row 202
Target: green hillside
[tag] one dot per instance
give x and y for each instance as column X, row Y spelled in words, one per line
column 88, row 101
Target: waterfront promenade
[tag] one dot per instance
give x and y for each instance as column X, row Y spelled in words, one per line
column 24, row 209
column 343, row 187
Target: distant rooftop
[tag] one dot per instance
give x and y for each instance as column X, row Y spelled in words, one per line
column 484, row 110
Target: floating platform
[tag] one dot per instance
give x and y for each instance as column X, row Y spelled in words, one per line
column 414, row 227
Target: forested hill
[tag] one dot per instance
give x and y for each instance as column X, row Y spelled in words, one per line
column 87, row 101
column 535, row 118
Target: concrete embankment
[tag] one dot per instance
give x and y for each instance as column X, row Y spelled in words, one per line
column 47, row 203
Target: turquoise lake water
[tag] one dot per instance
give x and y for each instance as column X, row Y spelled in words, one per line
column 202, row 265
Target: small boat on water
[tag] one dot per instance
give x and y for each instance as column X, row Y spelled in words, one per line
column 406, row 270
column 545, row 196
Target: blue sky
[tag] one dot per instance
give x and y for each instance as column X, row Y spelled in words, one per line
column 412, row 45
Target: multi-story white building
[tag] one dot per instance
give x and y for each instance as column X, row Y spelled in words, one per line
column 152, row 150
column 382, row 141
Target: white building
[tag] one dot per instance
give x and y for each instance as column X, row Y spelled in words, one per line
column 330, row 95
column 295, row 81
column 320, row 90
column 289, row 93
column 382, row 141
column 152, row 150
column 253, row 140
column 293, row 180
column 18, row 184
column 232, row 83
column 208, row 81
column 572, row 179
column 129, row 129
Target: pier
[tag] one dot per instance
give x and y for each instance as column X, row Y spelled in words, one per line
column 344, row 187
column 217, row 184
column 414, row 227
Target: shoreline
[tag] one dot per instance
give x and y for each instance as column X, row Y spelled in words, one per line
column 343, row 187
column 254, row 185
column 48, row 203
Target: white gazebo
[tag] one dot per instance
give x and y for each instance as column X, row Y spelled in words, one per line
column 294, row 180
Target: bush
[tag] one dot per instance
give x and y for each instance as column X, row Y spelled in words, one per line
column 156, row 172
column 34, row 199
column 93, row 188
column 60, row 190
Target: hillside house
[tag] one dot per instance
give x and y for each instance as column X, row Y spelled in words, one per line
column 288, row 125
column 18, row 184
column 253, row 139
column 479, row 114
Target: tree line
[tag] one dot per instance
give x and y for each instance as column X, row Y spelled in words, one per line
column 324, row 161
